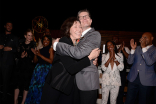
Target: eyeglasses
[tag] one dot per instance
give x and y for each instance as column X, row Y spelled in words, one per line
column 82, row 17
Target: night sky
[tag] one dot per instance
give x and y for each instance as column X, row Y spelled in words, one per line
column 106, row 15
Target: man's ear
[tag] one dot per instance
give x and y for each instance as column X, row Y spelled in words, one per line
column 25, row 36
column 152, row 38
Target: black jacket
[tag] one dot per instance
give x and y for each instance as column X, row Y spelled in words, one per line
column 62, row 74
column 8, row 57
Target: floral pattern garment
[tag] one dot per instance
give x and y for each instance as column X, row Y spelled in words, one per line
column 37, row 83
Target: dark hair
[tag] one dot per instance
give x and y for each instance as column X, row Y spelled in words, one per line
column 49, row 37
column 8, row 22
column 67, row 24
column 28, row 30
column 115, row 48
column 83, row 10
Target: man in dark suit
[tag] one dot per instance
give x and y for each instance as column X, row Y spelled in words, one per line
column 87, row 79
column 8, row 45
column 142, row 75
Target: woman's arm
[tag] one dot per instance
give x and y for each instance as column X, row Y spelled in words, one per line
column 35, row 59
column 119, row 61
column 50, row 59
column 104, row 61
column 73, row 66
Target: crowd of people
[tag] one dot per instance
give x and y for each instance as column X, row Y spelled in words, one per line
column 66, row 72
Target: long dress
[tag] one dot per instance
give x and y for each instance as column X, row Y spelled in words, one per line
column 38, row 78
column 24, row 67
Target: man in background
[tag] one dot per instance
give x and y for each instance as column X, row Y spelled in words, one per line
column 8, row 48
column 142, row 76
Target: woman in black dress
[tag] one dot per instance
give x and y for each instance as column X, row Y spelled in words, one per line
column 24, row 68
column 60, row 82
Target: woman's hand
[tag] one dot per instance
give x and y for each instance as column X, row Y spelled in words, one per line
column 33, row 50
column 116, row 61
column 94, row 54
column 112, row 55
column 38, row 53
column 24, row 54
column 95, row 61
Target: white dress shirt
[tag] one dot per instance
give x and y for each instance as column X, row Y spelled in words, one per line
column 143, row 49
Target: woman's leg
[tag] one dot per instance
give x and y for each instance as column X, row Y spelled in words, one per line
column 114, row 94
column 105, row 94
column 24, row 96
column 16, row 93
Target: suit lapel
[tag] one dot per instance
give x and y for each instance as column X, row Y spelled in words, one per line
column 151, row 49
column 85, row 36
column 90, row 31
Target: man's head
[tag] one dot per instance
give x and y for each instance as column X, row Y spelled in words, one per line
column 148, row 38
column 8, row 26
column 115, row 39
column 85, row 19
column 47, row 32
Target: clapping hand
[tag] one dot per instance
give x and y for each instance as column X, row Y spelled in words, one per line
column 33, row 50
column 112, row 54
column 24, row 54
column 133, row 45
column 38, row 52
column 123, row 45
column 142, row 42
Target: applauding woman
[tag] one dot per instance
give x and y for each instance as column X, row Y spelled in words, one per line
column 24, row 67
column 44, row 57
column 112, row 63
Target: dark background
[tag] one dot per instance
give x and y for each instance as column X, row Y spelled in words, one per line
column 106, row 15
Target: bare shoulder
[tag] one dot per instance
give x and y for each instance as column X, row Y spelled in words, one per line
column 51, row 49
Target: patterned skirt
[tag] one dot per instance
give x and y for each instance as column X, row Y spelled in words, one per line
column 37, row 83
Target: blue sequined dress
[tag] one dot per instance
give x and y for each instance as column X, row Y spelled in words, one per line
column 38, row 78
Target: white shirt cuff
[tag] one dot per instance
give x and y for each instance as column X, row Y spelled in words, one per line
column 144, row 50
column 132, row 51
column 54, row 46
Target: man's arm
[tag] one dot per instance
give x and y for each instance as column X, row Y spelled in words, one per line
column 81, row 50
column 126, row 52
column 150, row 58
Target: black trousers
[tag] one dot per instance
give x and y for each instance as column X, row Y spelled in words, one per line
column 88, row 97
column 7, row 73
column 136, row 87
column 53, row 96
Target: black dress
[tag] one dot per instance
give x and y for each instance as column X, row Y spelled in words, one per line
column 24, row 67
column 60, row 81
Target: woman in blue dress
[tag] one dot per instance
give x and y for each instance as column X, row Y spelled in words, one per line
column 44, row 57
